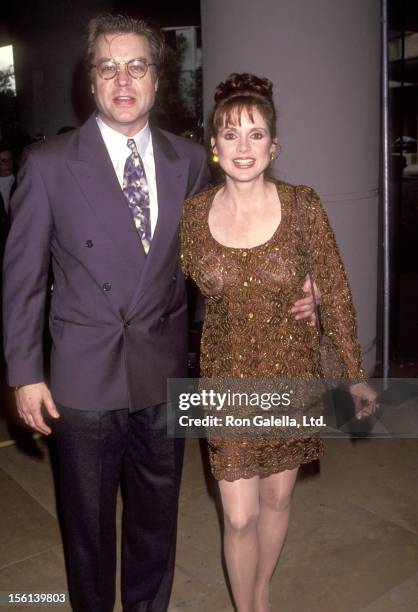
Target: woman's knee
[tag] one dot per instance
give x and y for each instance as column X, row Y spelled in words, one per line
column 276, row 500
column 276, row 490
column 240, row 522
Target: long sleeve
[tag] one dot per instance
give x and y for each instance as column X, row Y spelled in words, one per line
column 25, row 274
column 186, row 238
column 199, row 182
column 337, row 309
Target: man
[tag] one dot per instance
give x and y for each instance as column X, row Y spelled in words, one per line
column 104, row 202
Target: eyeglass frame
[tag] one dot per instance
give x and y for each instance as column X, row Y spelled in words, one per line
column 126, row 64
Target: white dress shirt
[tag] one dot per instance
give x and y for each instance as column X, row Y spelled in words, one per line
column 116, row 144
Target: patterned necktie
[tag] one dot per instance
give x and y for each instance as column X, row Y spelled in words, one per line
column 135, row 188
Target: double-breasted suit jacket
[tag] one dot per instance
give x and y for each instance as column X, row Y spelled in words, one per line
column 118, row 317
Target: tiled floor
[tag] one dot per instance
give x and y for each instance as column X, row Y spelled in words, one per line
column 352, row 544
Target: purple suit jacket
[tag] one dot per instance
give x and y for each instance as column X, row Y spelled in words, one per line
column 118, row 318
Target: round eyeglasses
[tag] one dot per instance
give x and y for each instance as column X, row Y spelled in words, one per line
column 108, row 68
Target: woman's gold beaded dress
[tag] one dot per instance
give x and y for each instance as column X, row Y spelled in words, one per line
column 248, row 330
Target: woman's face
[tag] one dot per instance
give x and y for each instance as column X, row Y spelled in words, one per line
column 244, row 150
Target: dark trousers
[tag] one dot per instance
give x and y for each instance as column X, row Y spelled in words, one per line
column 96, row 452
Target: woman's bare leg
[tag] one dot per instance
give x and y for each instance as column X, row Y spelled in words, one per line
column 275, row 493
column 240, row 501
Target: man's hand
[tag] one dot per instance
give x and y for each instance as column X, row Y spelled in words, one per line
column 304, row 308
column 29, row 401
column 364, row 398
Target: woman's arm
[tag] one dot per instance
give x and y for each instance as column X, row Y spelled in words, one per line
column 186, row 238
column 337, row 310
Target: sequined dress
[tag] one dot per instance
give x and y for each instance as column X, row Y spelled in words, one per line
column 248, row 331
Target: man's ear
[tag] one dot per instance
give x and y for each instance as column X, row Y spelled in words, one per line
column 156, row 85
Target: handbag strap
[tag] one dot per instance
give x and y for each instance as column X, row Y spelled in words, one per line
column 308, row 262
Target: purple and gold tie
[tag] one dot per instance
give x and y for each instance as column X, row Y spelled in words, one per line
column 135, row 188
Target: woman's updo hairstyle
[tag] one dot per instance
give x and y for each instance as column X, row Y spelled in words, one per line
column 239, row 92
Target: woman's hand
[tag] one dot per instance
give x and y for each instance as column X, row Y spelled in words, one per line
column 305, row 308
column 364, row 398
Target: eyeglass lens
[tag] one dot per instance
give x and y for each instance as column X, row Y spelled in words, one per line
column 137, row 68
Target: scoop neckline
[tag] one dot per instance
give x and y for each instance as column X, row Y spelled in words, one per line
column 257, row 246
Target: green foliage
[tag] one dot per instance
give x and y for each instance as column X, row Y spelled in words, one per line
column 169, row 101
column 171, row 109
column 194, row 91
column 6, row 77
column 8, row 115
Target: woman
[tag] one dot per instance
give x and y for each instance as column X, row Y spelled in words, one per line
column 241, row 244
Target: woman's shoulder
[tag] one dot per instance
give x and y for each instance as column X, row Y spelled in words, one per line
column 304, row 195
column 302, row 191
column 196, row 210
column 201, row 200
column 209, row 190
column 301, row 200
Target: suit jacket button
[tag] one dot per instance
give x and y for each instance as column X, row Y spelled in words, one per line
column 106, row 287
column 174, row 278
column 89, row 244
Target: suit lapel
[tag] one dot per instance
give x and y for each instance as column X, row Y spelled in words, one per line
column 171, row 176
column 96, row 176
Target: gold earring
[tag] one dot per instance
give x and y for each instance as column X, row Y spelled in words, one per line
column 273, row 156
column 215, row 158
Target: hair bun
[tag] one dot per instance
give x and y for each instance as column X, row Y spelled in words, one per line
column 243, row 84
column 243, row 92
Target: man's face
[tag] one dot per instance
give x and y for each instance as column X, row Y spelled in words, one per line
column 123, row 102
column 6, row 163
